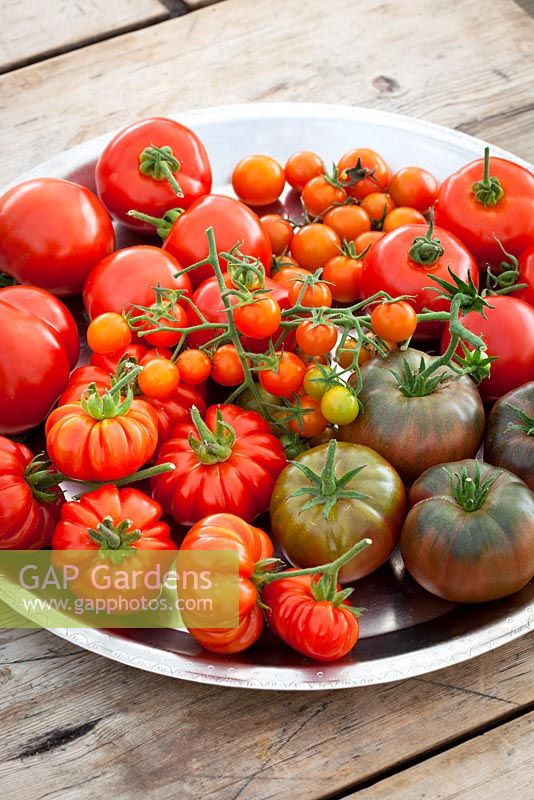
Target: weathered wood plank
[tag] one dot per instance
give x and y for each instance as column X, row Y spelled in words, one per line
column 495, row 765
column 75, row 725
column 28, row 33
column 460, row 73
column 201, row 3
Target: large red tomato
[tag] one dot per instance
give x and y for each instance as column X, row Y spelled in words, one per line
column 508, row 331
column 128, row 277
column 526, row 275
column 405, row 260
column 29, row 508
column 233, row 223
column 125, row 182
column 38, row 347
column 229, row 463
column 470, row 205
column 52, row 233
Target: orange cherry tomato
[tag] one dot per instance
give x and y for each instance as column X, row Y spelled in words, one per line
column 343, row 276
column 314, row 245
column 316, row 339
column 159, row 378
column 394, row 322
column 374, row 172
column 313, row 297
column 258, row 180
column 414, row 187
column 258, row 319
column 287, row 275
column 279, row 230
column 287, row 378
column 312, row 422
column 301, row 168
column 348, row 221
column 166, row 338
column 378, row 205
column 319, row 195
column 403, row 215
column 367, row 239
column 226, row 366
column 107, row 333
column 194, row 366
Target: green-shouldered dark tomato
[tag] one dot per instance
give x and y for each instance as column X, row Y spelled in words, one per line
column 509, row 441
column 415, row 433
column 469, row 534
column 331, row 497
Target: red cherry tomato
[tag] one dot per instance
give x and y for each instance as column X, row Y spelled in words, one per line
column 348, row 221
column 414, row 187
column 260, row 318
column 373, row 173
column 128, row 277
column 280, row 232
column 159, row 378
column 287, row 275
column 313, row 297
column 123, row 183
column 342, row 275
column 319, row 195
column 178, row 321
column 194, row 366
column 226, row 366
column 390, row 267
column 402, row 216
column 377, row 205
column 312, row 422
column 510, row 219
column 526, row 275
column 367, row 240
column 301, row 168
column 233, row 223
column 107, row 333
column 314, row 245
column 258, row 180
column 507, row 330
column 316, row 339
column 394, row 322
column 52, row 233
column 287, row 378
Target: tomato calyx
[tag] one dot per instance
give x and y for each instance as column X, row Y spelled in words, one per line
column 326, row 488
column 160, row 163
column 246, row 272
column 470, row 493
column 162, row 224
column 487, row 191
column 6, row 280
column 350, row 177
column 506, row 281
column 213, row 447
column 525, row 424
column 111, row 403
column 476, row 363
column 115, row 541
column 426, row 250
column 43, row 480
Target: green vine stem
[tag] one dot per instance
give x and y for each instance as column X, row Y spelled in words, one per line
column 487, row 191
column 160, row 163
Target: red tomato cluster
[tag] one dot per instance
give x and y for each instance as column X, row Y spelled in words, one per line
column 226, row 363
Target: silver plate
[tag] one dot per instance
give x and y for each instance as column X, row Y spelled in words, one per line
column 405, row 631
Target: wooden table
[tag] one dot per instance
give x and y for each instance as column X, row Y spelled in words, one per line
column 74, row 725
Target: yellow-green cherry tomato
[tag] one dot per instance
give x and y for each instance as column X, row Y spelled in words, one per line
column 317, row 381
column 340, row 406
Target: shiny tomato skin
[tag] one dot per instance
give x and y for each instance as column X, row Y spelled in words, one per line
column 224, row 531
column 226, row 366
column 414, row 433
column 348, row 221
column 376, row 182
column 194, row 366
column 316, row 339
column 469, row 556
column 260, row 318
column 414, row 187
column 315, row 628
column 511, row 220
column 101, row 450
column 122, row 187
column 508, row 331
column 507, row 442
column 342, row 274
column 308, row 539
column 241, row 484
column 280, row 232
column 258, row 180
column 287, row 275
column 52, row 233
column 312, row 423
column 394, row 322
column 301, row 167
column 35, row 358
column 319, row 195
column 128, row 278
column 526, row 275
column 26, row 523
column 287, row 378
column 388, row 267
column 233, row 223
column 400, row 216
column 313, row 245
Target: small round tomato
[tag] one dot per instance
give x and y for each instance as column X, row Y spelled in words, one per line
column 342, row 273
column 107, row 333
column 286, row 378
column 402, row 216
column 226, row 366
column 377, row 205
column 312, row 422
column 364, row 172
column 260, row 318
column 316, row 339
column 340, row 405
column 258, row 180
column 314, row 245
column 301, row 168
column 159, row 378
column 279, row 230
column 160, row 316
column 318, row 380
column 194, row 366
column 314, row 296
column 394, row 322
column 366, row 240
column 414, row 187
column 348, row 221
column 287, row 275
column 319, row 195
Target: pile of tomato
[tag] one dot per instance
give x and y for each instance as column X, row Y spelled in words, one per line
column 258, row 364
